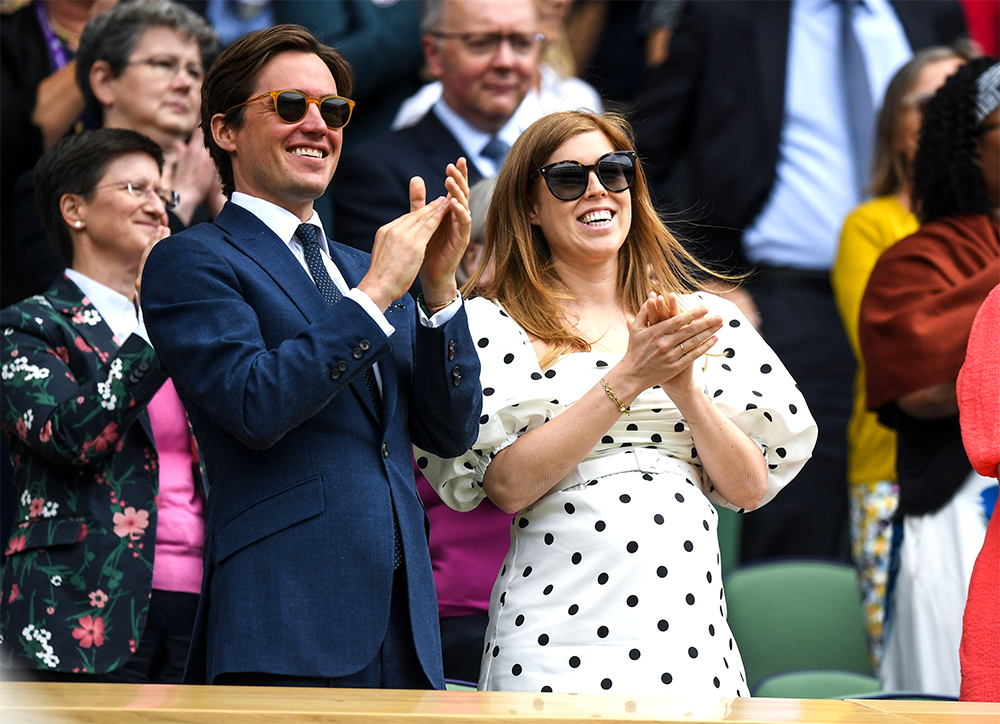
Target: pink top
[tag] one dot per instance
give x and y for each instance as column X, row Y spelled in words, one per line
column 180, row 528
column 467, row 550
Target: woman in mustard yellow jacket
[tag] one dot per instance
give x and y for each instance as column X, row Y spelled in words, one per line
column 868, row 231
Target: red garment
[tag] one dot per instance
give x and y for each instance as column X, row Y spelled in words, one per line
column 979, row 407
column 920, row 302
column 982, row 17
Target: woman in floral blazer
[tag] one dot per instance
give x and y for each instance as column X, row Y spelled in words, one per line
column 79, row 575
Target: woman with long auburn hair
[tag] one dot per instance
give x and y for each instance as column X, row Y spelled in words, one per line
column 619, row 402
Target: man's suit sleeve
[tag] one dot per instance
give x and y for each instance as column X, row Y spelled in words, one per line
column 210, row 340
column 62, row 419
column 447, row 398
column 368, row 193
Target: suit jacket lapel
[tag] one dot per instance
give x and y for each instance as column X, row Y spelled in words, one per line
column 252, row 236
column 70, row 301
column 436, row 141
column 772, row 22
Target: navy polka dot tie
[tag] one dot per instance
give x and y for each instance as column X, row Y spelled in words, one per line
column 308, row 235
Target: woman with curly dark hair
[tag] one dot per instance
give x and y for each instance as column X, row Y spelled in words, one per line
column 916, row 316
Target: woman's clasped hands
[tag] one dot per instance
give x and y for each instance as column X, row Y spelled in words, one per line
column 664, row 342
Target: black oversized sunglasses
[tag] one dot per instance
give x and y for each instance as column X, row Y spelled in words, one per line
column 568, row 180
column 291, row 106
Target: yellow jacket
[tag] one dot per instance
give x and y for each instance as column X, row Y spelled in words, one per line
column 868, row 231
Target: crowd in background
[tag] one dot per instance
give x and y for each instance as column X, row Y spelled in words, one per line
column 792, row 146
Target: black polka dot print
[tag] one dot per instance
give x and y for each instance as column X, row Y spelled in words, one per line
column 641, row 541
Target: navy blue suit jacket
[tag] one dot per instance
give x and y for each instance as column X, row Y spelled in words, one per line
column 299, row 544
column 709, row 119
column 372, row 185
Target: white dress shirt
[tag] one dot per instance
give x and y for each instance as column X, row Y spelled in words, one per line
column 115, row 308
column 554, row 93
column 473, row 140
column 816, row 184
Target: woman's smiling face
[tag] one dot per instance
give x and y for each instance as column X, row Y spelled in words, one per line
column 589, row 230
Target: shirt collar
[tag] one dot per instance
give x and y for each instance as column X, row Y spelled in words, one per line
column 471, row 139
column 281, row 221
column 115, row 308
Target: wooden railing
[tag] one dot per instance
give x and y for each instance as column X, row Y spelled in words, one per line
column 36, row 703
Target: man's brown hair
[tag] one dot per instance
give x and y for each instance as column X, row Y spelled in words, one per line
column 232, row 79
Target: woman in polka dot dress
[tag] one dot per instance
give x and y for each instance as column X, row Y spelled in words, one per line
column 618, row 404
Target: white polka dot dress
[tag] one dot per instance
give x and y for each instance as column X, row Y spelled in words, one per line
column 612, row 583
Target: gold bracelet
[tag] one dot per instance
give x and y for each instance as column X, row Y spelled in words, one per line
column 614, row 398
column 705, row 416
column 429, row 310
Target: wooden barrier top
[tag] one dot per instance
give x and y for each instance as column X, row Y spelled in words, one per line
column 42, row 703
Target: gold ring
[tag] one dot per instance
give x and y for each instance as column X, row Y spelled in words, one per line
column 683, row 351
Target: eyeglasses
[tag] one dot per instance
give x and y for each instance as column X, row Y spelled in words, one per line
column 169, row 67
column 291, row 107
column 144, row 191
column 486, row 44
column 568, row 180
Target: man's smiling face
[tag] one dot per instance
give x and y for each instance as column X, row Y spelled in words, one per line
column 288, row 164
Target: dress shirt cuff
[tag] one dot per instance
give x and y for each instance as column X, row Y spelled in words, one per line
column 441, row 317
column 373, row 311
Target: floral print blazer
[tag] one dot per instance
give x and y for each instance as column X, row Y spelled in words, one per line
column 78, row 575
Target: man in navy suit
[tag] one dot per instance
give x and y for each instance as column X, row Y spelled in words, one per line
column 307, row 370
column 486, row 53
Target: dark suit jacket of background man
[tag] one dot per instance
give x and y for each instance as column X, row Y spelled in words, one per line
column 708, row 127
column 372, row 185
column 718, row 104
column 299, row 540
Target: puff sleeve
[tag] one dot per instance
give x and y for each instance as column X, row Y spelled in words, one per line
column 517, row 397
column 745, row 379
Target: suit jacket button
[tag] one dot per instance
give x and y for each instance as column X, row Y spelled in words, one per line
column 342, row 366
column 334, row 374
column 456, row 381
column 143, row 367
column 364, row 345
column 385, row 450
column 457, row 371
column 356, row 354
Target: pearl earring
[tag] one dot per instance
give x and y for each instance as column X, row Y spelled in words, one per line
column 78, row 224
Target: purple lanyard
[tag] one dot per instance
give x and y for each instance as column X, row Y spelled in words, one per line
column 57, row 51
